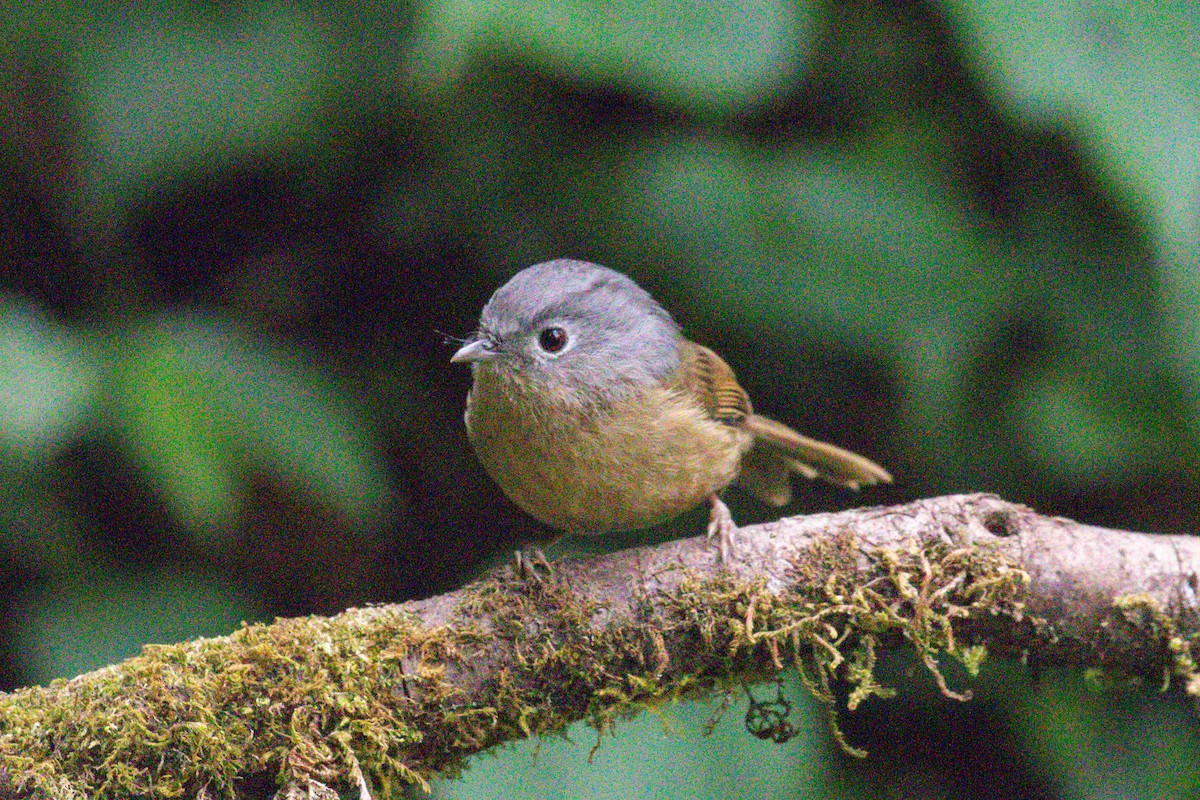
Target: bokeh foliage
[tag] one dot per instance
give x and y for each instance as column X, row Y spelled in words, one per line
column 963, row 238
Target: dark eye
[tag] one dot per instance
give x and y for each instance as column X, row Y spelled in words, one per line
column 552, row 339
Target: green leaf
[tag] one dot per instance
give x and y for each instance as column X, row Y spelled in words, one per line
column 201, row 402
column 55, row 21
column 1127, row 77
column 167, row 414
column 1129, row 74
column 1076, row 430
column 86, row 624
column 719, row 56
column 163, row 93
column 1115, row 744
column 47, row 381
column 872, row 243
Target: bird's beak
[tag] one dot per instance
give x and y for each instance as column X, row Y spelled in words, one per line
column 482, row 349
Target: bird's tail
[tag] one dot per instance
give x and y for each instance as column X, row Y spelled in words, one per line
column 778, row 450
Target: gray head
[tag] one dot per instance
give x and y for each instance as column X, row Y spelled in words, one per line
column 581, row 331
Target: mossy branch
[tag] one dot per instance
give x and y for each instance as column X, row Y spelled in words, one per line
column 381, row 698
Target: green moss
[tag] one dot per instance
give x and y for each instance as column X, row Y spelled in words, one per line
column 833, row 623
column 375, row 698
column 1147, row 615
column 304, row 698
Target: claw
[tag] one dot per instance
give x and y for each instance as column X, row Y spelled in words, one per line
column 721, row 525
column 530, row 564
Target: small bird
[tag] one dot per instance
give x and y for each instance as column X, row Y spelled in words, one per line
column 594, row 414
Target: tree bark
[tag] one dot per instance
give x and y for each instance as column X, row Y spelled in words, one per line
column 387, row 696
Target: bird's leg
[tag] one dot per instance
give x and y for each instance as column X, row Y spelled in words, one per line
column 721, row 524
column 531, row 562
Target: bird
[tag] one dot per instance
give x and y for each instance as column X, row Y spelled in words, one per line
column 594, row 414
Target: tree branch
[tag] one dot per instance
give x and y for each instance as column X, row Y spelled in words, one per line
column 385, row 696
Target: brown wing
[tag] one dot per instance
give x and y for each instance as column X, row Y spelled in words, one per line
column 707, row 377
column 778, row 450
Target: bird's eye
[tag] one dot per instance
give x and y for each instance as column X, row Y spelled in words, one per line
column 552, row 340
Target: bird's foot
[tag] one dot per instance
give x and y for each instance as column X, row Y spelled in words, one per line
column 531, row 565
column 721, row 525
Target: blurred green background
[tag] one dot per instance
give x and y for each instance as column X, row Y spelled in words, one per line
column 960, row 238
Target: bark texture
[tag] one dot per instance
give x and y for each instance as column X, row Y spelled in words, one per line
column 383, row 697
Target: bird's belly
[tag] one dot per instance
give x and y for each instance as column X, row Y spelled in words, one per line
column 623, row 468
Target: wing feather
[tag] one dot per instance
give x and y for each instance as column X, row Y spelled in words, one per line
column 707, row 377
column 778, row 450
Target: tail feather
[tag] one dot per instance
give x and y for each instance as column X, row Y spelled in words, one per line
column 778, row 449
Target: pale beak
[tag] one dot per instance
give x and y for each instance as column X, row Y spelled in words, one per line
column 479, row 350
